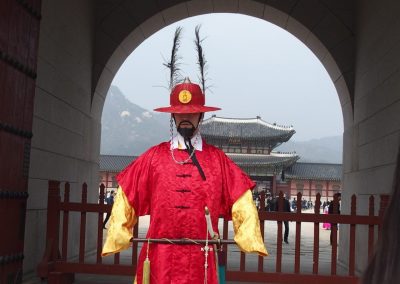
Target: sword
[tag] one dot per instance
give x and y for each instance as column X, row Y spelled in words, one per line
column 217, row 247
column 215, row 241
column 183, row 241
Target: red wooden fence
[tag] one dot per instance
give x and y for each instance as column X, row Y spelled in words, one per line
column 299, row 217
column 58, row 267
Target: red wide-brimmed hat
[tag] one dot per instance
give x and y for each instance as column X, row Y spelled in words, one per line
column 187, row 98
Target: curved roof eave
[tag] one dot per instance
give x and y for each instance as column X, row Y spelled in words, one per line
column 218, row 127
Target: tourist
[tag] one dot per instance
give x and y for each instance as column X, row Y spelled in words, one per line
column 110, row 201
column 286, row 208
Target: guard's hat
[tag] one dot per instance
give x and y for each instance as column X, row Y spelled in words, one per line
column 187, row 97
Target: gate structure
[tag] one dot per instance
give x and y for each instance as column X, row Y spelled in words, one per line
column 58, row 267
column 19, row 34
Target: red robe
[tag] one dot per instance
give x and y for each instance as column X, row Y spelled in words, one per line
column 175, row 196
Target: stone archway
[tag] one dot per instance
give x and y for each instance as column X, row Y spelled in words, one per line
column 325, row 32
column 327, row 29
column 82, row 44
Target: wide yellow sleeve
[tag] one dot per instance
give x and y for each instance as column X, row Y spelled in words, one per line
column 246, row 225
column 122, row 221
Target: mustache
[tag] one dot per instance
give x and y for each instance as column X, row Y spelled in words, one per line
column 184, row 122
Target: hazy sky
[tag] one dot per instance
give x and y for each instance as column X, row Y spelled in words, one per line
column 254, row 69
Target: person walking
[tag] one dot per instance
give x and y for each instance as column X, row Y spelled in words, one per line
column 326, row 225
column 110, row 201
column 331, row 210
column 286, row 208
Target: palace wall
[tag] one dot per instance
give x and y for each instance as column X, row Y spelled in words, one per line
column 66, row 138
column 371, row 143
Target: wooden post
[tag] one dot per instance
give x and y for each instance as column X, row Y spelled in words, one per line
column 352, row 245
column 52, row 233
column 65, row 223
column 106, row 182
column 82, row 234
column 327, row 190
column 262, row 209
column 316, row 235
column 262, row 201
column 382, row 208
column 371, row 228
column 100, row 226
column 298, row 235
column 117, row 256
column 53, row 217
column 334, row 237
column 274, row 185
column 279, row 202
column 225, row 246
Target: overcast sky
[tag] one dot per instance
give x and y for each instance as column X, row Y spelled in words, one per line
column 254, row 69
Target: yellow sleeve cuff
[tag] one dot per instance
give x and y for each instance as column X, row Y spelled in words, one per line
column 122, row 221
column 246, row 225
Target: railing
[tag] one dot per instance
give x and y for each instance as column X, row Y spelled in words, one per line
column 299, row 217
column 56, row 264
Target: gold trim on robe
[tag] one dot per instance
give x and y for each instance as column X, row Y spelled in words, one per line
column 122, row 220
column 246, row 225
column 245, row 220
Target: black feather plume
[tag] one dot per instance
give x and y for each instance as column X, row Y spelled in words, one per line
column 200, row 57
column 173, row 65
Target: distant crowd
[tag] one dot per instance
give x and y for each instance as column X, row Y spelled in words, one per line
column 271, row 203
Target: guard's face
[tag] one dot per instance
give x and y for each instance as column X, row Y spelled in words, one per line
column 186, row 123
column 187, row 120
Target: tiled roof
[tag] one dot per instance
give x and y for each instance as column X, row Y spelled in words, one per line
column 314, row 171
column 114, row 163
column 255, row 128
column 274, row 160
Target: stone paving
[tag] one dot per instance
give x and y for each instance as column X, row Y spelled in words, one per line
column 288, row 254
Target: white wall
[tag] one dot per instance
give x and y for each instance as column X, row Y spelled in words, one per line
column 63, row 147
column 371, row 144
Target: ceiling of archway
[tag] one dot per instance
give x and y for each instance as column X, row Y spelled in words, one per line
column 330, row 21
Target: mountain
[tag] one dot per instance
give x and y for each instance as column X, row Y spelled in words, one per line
column 128, row 129
column 323, row 150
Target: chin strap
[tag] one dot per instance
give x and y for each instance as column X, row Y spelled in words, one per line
column 191, row 151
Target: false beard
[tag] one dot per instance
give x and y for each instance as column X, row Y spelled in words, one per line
column 186, row 132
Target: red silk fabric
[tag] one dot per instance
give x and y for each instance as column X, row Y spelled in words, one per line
column 175, row 196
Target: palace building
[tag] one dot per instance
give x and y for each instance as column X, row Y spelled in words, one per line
column 245, row 136
column 250, row 143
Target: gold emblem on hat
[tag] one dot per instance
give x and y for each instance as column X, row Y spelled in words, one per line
column 185, row 96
